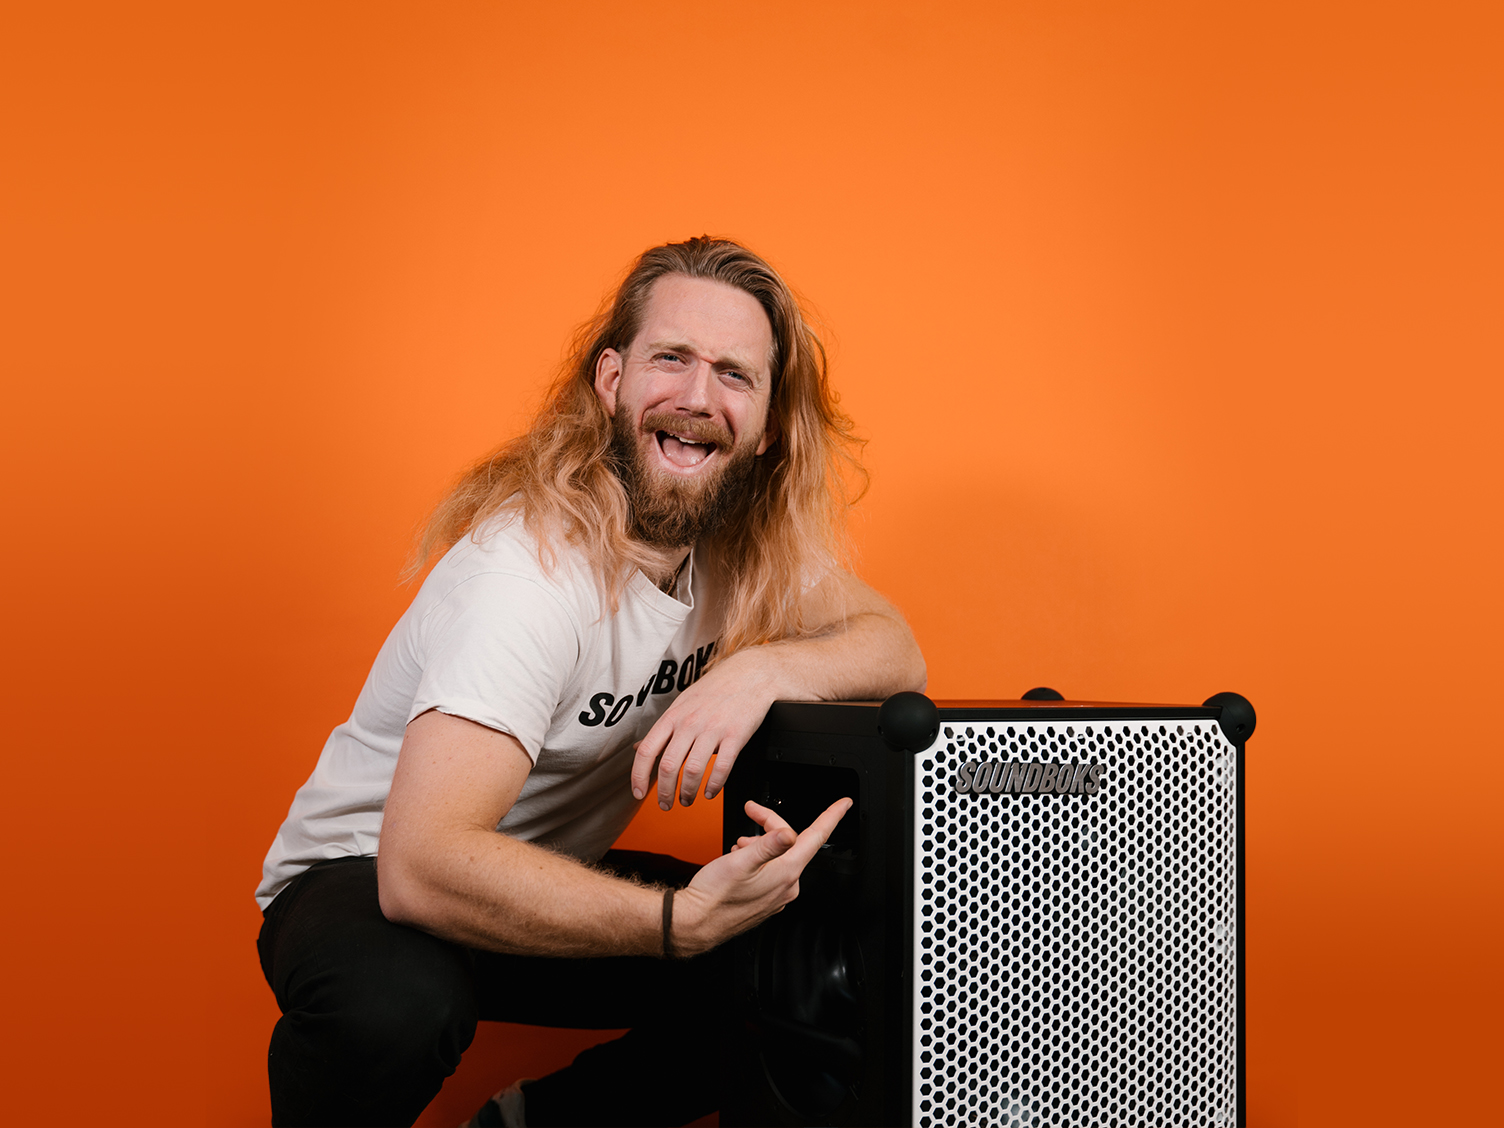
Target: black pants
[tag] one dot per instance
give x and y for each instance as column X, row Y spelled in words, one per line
column 375, row 1015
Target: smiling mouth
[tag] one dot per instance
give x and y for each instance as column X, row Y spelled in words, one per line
column 684, row 451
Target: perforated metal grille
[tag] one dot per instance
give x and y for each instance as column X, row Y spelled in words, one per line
column 1075, row 954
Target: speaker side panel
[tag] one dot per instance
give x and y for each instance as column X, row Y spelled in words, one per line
column 823, row 1030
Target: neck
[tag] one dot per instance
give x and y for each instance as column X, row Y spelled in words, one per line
column 667, row 573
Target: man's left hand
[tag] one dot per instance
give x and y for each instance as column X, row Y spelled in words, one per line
column 715, row 716
column 863, row 650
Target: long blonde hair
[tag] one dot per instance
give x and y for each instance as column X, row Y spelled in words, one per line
column 790, row 523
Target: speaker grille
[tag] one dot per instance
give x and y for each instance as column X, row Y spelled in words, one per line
column 1075, row 954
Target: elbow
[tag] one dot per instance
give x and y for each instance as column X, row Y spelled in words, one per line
column 399, row 891
column 905, row 667
column 916, row 674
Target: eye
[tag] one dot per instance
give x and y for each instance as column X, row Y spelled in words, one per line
column 668, row 358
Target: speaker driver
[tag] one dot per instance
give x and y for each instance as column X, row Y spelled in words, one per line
column 809, row 971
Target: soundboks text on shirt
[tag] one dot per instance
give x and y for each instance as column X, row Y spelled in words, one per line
column 607, row 708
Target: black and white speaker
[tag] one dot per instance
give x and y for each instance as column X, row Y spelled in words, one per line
column 1032, row 916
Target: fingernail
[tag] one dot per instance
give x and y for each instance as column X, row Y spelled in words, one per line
column 637, row 793
column 710, row 793
column 664, row 804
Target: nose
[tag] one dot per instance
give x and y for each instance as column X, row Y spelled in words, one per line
column 694, row 396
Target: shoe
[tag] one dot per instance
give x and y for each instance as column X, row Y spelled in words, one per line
column 504, row 1110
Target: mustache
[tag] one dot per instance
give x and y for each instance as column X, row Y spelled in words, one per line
column 700, row 430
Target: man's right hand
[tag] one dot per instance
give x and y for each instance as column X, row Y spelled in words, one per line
column 757, row 878
column 445, row 869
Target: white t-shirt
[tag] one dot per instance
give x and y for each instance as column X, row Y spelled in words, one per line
column 495, row 639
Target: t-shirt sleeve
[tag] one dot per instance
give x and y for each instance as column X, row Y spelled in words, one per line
column 498, row 650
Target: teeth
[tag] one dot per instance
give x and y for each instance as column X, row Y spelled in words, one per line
column 684, row 452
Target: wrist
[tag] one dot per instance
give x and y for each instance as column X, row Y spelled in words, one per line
column 689, row 934
column 766, row 673
column 668, row 924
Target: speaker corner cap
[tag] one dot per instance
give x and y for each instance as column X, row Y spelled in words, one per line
column 1238, row 719
column 908, row 722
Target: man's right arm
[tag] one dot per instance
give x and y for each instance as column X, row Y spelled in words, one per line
column 443, row 867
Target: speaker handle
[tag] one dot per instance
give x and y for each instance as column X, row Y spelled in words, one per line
column 908, row 722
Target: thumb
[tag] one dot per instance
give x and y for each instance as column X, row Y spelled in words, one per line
column 774, row 844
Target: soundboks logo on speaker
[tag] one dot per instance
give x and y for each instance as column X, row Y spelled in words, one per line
column 1022, row 777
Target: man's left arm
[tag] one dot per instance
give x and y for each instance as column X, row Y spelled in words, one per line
column 863, row 650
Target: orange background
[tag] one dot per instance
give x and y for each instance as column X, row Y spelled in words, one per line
column 1175, row 329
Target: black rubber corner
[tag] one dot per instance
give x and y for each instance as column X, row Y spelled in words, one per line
column 1238, row 718
column 908, row 722
column 1043, row 693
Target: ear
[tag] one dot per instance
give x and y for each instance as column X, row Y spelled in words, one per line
column 769, row 433
column 608, row 370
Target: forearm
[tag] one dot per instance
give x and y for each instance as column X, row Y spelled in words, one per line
column 443, row 868
column 869, row 655
column 487, row 890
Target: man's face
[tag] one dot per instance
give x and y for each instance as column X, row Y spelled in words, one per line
column 689, row 406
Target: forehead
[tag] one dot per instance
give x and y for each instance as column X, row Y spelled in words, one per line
column 716, row 320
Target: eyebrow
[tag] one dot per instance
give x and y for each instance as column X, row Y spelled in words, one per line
column 722, row 362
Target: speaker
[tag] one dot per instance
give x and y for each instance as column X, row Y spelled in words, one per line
column 1032, row 915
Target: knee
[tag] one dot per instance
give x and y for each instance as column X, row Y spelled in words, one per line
column 411, row 1017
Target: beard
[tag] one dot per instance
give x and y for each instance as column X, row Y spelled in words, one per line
column 672, row 512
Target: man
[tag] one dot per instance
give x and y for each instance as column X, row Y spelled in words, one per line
column 626, row 589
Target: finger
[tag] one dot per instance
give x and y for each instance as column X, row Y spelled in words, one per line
column 754, row 850
column 765, row 847
column 752, row 853
column 668, row 769
column 649, row 748
column 765, row 817
column 743, row 842
column 700, row 755
column 818, row 833
column 725, row 760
